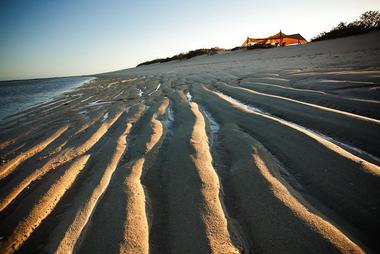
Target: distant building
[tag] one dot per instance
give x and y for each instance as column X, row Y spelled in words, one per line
column 279, row 39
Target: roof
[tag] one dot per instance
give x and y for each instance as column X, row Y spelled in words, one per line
column 279, row 38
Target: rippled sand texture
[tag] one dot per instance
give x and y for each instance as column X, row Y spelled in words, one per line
column 268, row 151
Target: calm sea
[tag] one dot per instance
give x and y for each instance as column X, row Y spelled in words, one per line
column 18, row 95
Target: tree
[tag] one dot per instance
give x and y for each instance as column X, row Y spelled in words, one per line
column 340, row 26
column 370, row 19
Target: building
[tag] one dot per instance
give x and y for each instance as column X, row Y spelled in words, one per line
column 279, row 39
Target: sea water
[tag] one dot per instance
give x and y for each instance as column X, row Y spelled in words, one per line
column 18, row 95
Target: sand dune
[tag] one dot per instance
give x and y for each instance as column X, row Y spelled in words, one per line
column 266, row 151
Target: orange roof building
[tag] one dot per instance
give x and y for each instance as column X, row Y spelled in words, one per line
column 279, row 39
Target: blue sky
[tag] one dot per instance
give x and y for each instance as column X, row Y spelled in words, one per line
column 46, row 38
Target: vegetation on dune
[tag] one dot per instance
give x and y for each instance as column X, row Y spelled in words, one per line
column 237, row 48
column 203, row 51
column 369, row 21
column 254, row 46
column 260, row 46
column 184, row 56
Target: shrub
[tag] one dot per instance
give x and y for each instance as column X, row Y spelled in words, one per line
column 237, row 48
column 260, row 46
column 184, row 56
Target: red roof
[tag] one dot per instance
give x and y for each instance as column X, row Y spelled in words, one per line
column 279, row 38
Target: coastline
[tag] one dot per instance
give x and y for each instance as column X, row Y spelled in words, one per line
column 19, row 95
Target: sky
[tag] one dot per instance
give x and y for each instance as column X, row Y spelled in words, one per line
column 50, row 38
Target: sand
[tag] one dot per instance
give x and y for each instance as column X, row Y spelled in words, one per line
column 262, row 151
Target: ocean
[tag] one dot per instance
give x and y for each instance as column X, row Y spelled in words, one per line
column 18, row 95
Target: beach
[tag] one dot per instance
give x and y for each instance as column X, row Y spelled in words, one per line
column 262, row 151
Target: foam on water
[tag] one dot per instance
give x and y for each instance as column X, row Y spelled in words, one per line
column 86, row 99
column 168, row 121
column 128, row 80
column 189, row 96
column 97, row 103
column 214, row 126
column 105, row 117
column 158, row 87
column 112, row 83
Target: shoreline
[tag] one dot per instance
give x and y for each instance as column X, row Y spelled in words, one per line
column 53, row 94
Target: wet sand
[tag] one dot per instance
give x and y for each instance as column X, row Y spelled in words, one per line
column 266, row 151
